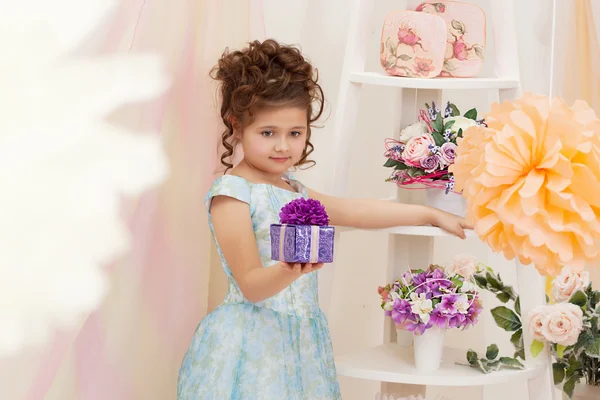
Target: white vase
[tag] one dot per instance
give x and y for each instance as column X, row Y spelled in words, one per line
column 584, row 392
column 451, row 202
column 428, row 349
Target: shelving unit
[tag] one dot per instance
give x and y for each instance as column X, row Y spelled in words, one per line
column 391, row 363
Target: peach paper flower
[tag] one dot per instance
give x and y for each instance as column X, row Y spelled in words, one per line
column 532, row 181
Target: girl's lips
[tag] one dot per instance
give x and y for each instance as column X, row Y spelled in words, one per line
column 279, row 159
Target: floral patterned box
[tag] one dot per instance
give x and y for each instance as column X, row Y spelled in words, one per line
column 465, row 46
column 413, row 44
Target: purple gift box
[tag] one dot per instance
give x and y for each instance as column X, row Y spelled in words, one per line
column 302, row 243
column 303, row 234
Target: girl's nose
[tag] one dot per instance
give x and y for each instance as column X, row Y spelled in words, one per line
column 282, row 145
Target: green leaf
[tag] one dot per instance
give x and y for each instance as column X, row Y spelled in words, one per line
column 559, row 373
column 437, row 124
column 454, row 109
column 448, row 66
column 390, row 46
column 391, row 163
column 503, row 297
column 480, row 281
column 578, row 298
column 472, row 357
column 494, row 282
column 569, row 385
column 471, row 114
column 506, row 319
column 405, row 57
column 491, row 352
column 448, row 124
column 511, row 363
column 517, row 340
column 460, row 133
column 390, row 61
column 518, row 305
column 439, row 139
column 479, row 51
column 483, row 366
column 560, row 350
column 536, row 348
column 590, row 342
column 459, row 26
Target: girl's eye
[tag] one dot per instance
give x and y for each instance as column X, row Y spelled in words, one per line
column 267, row 133
column 295, row 133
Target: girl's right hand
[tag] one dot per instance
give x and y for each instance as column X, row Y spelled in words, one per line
column 301, row 269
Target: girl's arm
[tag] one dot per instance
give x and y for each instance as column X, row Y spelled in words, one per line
column 235, row 235
column 380, row 214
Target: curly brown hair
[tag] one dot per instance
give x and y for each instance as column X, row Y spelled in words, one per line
column 261, row 75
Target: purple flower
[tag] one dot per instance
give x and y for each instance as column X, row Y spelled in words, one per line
column 303, row 211
column 430, row 163
column 438, row 318
column 395, row 153
column 447, row 303
column 448, row 153
column 401, row 311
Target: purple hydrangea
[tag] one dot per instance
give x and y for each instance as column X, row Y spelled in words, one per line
column 303, row 211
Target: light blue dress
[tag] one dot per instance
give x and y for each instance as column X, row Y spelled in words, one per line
column 279, row 348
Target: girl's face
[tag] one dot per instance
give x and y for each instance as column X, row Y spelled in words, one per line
column 275, row 140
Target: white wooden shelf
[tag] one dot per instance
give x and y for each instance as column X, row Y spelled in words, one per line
column 383, row 79
column 392, row 363
column 431, row 231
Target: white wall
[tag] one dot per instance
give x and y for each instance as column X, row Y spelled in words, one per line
column 356, row 320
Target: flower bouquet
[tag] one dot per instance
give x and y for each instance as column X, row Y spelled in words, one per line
column 572, row 330
column 569, row 327
column 425, row 149
column 427, row 302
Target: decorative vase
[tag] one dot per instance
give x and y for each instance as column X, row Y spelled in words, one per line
column 465, row 47
column 413, row 44
column 584, row 392
column 451, row 202
column 403, row 337
column 428, row 349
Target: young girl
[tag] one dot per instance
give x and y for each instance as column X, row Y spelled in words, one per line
column 269, row 339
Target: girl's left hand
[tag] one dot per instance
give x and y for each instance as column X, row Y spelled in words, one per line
column 451, row 223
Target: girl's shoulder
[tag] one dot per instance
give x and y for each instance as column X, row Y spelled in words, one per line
column 232, row 186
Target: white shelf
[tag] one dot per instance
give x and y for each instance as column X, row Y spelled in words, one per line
column 392, row 363
column 425, row 231
column 431, row 231
column 383, row 79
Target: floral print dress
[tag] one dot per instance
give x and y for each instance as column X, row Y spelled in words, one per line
column 279, row 348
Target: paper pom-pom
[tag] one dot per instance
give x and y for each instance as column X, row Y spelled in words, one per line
column 303, row 211
column 532, row 181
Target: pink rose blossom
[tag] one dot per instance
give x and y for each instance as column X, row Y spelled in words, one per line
column 407, row 36
column 569, row 282
column 460, row 49
column 464, row 265
column 536, row 322
column 563, row 324
column 417, row 149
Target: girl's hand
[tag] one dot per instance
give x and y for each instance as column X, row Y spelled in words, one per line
column 301, row 269
column 451, row 223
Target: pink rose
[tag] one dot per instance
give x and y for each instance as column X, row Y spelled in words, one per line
column 407, row 36
column 460, row 49
column 568, row 282
column 536, row 322
column 464, row 265
column 448, row 153
column 563, row 324
column 417, row 149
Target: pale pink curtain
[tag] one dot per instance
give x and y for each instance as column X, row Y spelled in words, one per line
column 131, row 347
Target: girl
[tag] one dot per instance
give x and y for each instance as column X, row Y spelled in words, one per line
column 269, row 339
